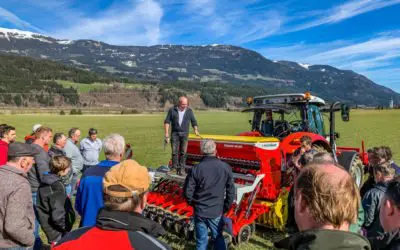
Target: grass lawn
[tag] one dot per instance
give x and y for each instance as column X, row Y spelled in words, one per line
column 145, row 133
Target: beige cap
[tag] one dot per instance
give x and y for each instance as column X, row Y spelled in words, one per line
column 128, row 174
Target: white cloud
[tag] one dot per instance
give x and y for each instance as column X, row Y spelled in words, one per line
column 341, row 12
column 135, row 24
column 15, row 20
column 202, row 7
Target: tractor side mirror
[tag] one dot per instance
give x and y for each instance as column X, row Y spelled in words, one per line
column 345, row 112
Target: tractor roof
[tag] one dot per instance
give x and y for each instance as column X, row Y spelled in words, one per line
column 275, row 108
column 287, row 99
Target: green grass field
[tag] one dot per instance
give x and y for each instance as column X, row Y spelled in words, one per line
column 145, row 133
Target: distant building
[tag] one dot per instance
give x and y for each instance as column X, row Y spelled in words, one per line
column 391, row 103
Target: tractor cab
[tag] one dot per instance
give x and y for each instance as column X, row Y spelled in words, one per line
column 281, row 115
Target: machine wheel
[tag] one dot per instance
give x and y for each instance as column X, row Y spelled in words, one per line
column 352, row 163
column 244, row 234
column 253, row 227
column 152, row 216
column 168, row 223
column 177, row 227
column 159, row 219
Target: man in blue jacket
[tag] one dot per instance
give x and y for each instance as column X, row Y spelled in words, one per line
column 209, row 188
column 89, row 197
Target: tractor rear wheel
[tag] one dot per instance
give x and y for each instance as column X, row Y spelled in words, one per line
column 352, row 163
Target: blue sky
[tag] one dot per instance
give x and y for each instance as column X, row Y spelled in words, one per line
column 361, row 35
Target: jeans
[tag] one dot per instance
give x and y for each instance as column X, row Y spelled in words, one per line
column 74, row 182
column 179, row 143
column 38, row 241
column 68, row 190
column 216, row 227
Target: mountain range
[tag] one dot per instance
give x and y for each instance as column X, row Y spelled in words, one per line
column 199, row 64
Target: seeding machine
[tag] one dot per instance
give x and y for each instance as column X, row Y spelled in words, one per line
column 259, row 163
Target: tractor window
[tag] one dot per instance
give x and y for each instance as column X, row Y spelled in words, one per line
column 316, row 122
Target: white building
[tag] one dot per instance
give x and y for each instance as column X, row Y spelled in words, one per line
column 391, row 103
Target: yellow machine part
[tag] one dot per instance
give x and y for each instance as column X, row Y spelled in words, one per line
column 277, row 216
column 230, row 138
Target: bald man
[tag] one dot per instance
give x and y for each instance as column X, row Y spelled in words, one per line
column 179, row 118
column 326, row 203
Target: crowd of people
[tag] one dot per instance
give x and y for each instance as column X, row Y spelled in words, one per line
column 326, row 208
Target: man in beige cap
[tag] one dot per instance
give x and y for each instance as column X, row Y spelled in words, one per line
column 120, row 224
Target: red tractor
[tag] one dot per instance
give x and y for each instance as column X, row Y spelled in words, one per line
column 259, row 160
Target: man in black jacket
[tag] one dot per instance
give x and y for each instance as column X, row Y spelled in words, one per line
column 210, row 189
column 178, row 118
column 389, row 218
column 54, row 208
column 383, row 173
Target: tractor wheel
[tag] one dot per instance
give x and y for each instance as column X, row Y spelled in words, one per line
column 244, row 234
column 356, row 171
column 352, row 163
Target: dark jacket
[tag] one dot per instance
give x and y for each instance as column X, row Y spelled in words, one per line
column 324, row 239
column 388, row 241
column 41, row 166
column 209, row 187
column 371, row 204
column 173, row 119
column 54, row 151
column 54, row 209
column 89, row 196
column 116, row 230
column 17, row 217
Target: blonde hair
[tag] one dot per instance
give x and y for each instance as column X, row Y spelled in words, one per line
column 330, row 200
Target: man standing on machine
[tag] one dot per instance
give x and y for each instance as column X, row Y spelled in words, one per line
column 178, row 118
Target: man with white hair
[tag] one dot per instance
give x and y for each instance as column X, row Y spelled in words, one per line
column 89, row 196
column 179, row 117
column 209, row 188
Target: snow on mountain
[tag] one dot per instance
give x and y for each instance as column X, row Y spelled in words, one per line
column 19, row 34
column 306, row 66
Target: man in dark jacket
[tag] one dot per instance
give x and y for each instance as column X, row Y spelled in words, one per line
column 178, row 118
column 389, row 218
column 16, row 209
column 119, row 224
column 326, row 203
column 210, row 189
column 54, row 208
column 372, row 200
column 43, row 137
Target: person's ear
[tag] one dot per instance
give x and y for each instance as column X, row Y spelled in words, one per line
column 143, row 202
column 390, row 207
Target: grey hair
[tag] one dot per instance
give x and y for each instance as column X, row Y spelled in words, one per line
column 208, row 147
column 114, row 145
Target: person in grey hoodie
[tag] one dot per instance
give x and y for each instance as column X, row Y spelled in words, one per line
column 72, row 152
column 90, row 149
column 43, row 138
column 16, row 209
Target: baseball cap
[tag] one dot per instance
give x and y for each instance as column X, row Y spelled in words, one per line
column 128, row 174
column 35, row 127
column 19, row 149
